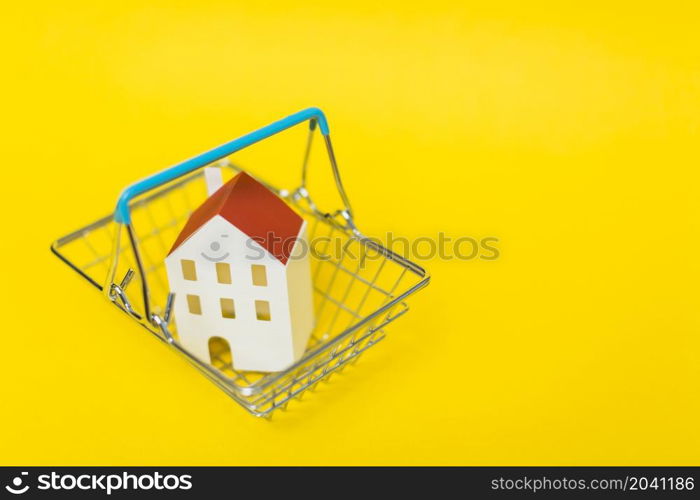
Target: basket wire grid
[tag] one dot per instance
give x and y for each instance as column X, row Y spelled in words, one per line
column 359, row 286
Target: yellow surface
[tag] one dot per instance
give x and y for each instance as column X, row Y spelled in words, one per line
column 571, row 134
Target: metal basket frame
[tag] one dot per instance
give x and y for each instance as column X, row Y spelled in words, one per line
column 328, row 352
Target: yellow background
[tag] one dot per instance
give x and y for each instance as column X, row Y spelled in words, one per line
column 570, row 133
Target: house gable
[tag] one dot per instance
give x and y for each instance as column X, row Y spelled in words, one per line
column 255, row 210
column 232, row 245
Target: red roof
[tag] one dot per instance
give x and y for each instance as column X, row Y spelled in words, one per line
column 253, row 209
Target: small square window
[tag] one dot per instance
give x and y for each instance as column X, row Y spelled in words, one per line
column 223, row 273
column 259, row 275
column 262, row 310
column 193, row 304
column 189, row 271
column 227, row 308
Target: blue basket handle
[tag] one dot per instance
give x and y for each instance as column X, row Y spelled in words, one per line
column 122, row 214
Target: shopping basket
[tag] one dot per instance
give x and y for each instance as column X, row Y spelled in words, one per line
column 359, row 285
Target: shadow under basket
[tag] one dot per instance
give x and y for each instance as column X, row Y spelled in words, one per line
column 359, row 286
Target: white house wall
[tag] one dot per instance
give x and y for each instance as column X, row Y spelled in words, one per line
column 255, row 345
column 300, row 293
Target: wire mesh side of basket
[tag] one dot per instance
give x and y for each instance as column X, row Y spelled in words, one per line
column 359, row 288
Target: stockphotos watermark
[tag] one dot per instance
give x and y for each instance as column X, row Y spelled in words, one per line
column 336, row 246
column 103, row 483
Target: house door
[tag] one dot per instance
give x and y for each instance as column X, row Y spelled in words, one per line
column 220, row 354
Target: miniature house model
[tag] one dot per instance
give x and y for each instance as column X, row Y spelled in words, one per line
column 239, row 273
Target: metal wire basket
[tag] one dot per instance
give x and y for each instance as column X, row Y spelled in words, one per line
column 359, row 285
